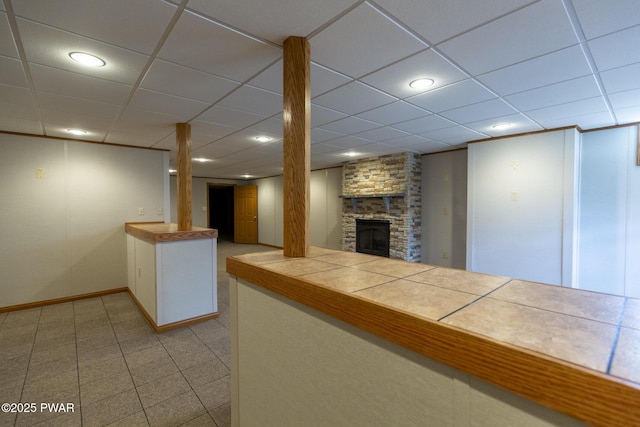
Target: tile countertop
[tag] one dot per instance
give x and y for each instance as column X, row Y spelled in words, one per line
column 591, row 333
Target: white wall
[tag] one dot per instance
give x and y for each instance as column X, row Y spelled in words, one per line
column 521, row 206
column 609, row 223
column 325, row 215
column 444, row 209
column 63, row 233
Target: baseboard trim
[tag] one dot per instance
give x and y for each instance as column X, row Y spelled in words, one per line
column 174, row 325
column 61, row 300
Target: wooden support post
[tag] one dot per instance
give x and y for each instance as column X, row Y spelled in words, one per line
column 296, row 116
column 183, row 142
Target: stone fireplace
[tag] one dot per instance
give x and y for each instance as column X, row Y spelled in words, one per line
column 385, row 188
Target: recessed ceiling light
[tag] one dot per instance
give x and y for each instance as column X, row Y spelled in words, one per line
column 501, row 126
column 351, row 154
column 87, row 59
column 263, row 138
column 77, row 131
column 201, row 159
column 172, row 171
column 421, row 83
column 246, row 175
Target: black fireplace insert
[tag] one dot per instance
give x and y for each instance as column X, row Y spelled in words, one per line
column 372, row 237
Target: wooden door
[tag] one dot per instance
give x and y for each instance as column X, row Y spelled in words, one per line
column 246, row 214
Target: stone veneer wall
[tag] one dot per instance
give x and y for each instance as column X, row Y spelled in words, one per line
column 390, row 174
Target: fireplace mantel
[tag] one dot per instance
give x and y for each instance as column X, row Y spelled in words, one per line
column 386, row 197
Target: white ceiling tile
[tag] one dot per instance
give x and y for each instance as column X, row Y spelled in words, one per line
column 570, row 110
column 122, row 66
column 55, row 80
column 480, row 111
column 587, row 121
column 11, row 124
column 598, row 18
column 12, row 72
column 362, row 41
column 380, row 134
column 544, row 70
column 620, row 79
column 323, row 80
column 424, row 124
column 254, row 100
column 559, row 93
column 138, row 138
column 271, row 127
column 453, row 96
column 438, row 21
column 321, row 115
column 232, row 56
column 353, row 98
column 625, row 115
column 215, row 130
column 348, row 141
column 395, row 78
column 321, row 135
column 488, row 47
column 182, row 108
column 410, row 141
column 349, row 125
column 617, row 49
column 270, row 79
column 230, row 116
column 186, row 82
column 396, row 112
column 103, row 112
column 273, row 20
column 454, row 135
column 627, row 99
column 7, row 44
column 18, row 95
column 518, row 124
column 139, row 23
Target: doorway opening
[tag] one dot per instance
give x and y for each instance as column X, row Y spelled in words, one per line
column 221, row 210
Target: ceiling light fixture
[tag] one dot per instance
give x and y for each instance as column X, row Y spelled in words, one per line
column 172, row 171
column 77, row 131
column 501, row 126
column 351, row 154
column 421, row 83
column 87, row 59
column 262, row 138
column 201, row 159
column 246, row 175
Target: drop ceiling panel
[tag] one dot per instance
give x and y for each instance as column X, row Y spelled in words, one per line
column 627, row 99
column 186, row 82
column 122, row 66
column 598, row 18
column 182, row 109
column 349, row 125
column 361, row 42
column 518, row 124
column 552, row 68
column 453, row 96
column 424, row 124
column 559, row 93
column 7, row 44
column 139, row 23
column 627, row 115
column 12, row 72
column 18, row 95
column 273, row 20
column 438, row 21
column 353, row 98
column 231, row 117
column 380, row 134
column 454, row 136
column 54, row 80
column 590, row 121
column 396, row 112
column 214, row 130
column 348, row 141
column 395, row 78
column 269, row 79
column 272, row 127
column 570, row 110
column 138, row 137
column 621, row 79
column 321, row 115
column 11, row 124
column 321, row 135
column 488, row 48
column 100, row 111
column 254, row 100
column 323, row 80
column 617, row 49
column 233, row 56
column 480, row 111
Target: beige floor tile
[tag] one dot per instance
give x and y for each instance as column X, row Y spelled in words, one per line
column 152, row 371
column 206, row 372
column 162, row 389
column 98, row 390
column 139, row 343
column 203, row 420
column 175, row 411
column 111, row 409
column 52, row 414
column 99, row 369
column 146, row 355
column 214, row 394
column 185, row 360
column 139, row 419
column 222, row 415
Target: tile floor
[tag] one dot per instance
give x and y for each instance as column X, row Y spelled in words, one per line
column 101, row 355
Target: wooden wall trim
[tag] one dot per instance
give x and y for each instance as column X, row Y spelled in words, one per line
column 587, row 395
column 61, row 300
column 87, row 141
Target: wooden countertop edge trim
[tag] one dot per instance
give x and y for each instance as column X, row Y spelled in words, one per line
column 167, row 236
column 590, row 396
